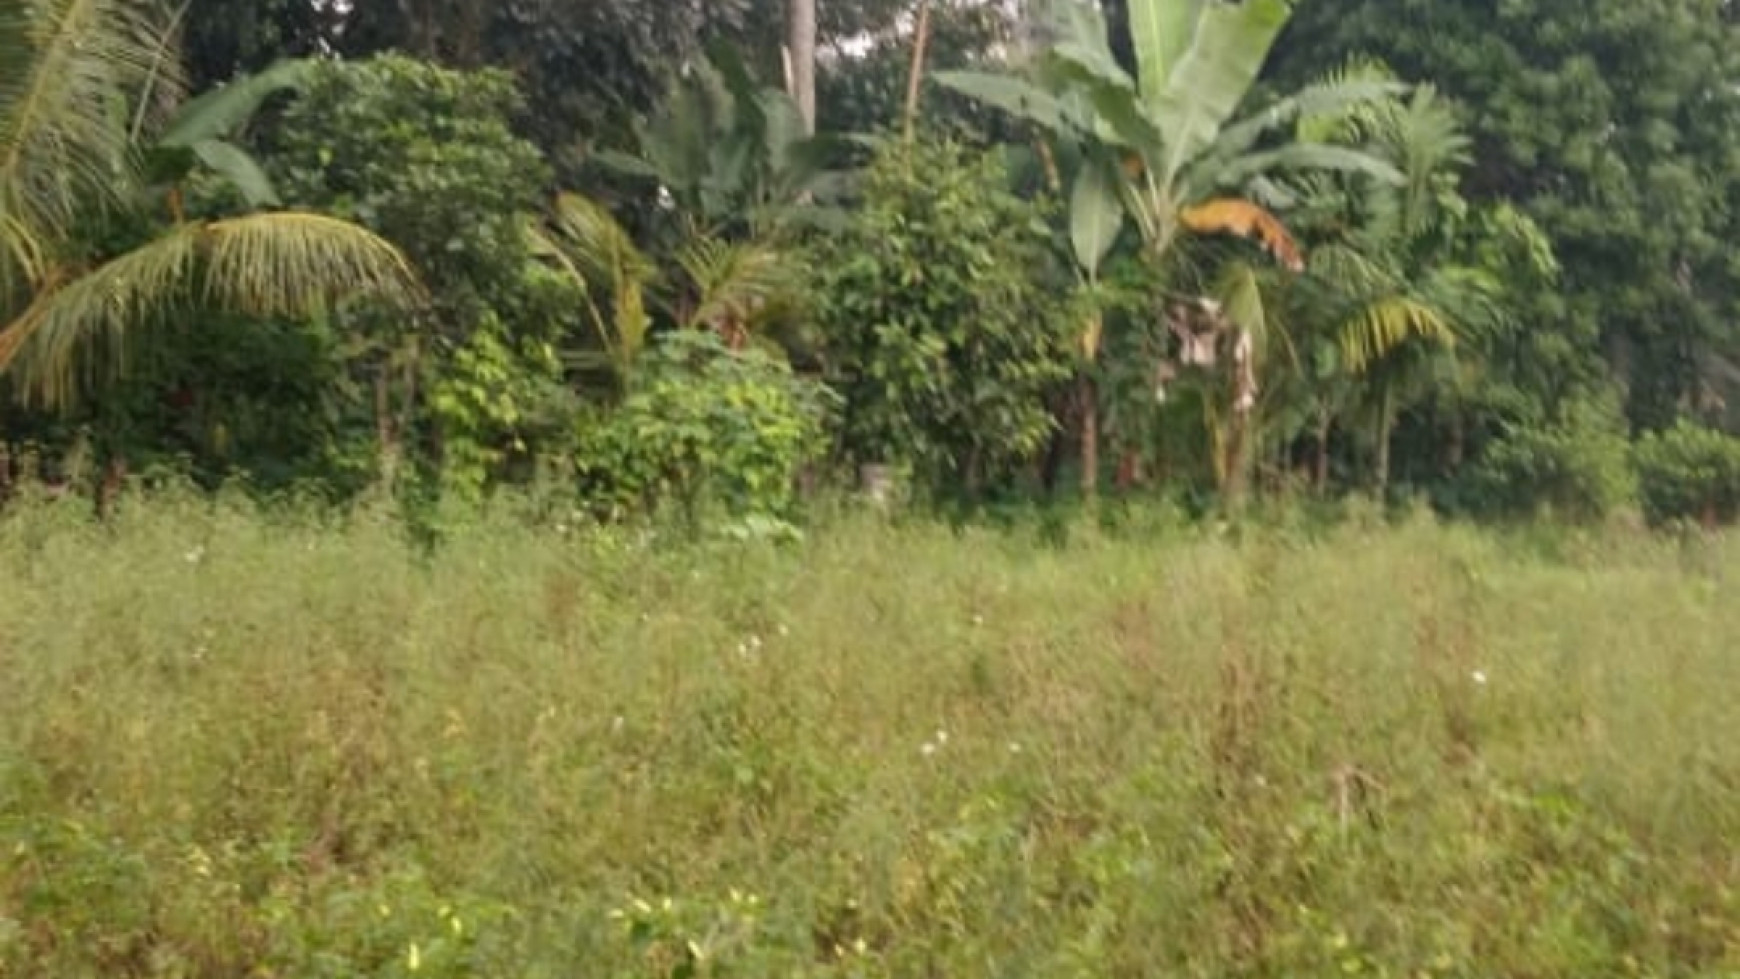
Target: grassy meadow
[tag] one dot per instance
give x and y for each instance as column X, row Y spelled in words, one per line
column 234, row 745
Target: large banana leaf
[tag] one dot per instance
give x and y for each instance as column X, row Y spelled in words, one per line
column 1162, row 31
column 1019, row 98
column 1096, row 214
column 240, row 169
column 200, row 130
column 1083, row 41
column 220, row 112
column 1204, row 89
column 1216, row 171
column 1111, row 110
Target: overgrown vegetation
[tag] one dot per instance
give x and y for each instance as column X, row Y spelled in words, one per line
column 1142, row 248
column 239, row 744
column 434, row 442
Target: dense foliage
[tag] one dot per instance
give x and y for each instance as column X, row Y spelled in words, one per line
column 590, row 487
column 1334, row 246
column 707, row 428
column 942, row 311
column 1616, row 124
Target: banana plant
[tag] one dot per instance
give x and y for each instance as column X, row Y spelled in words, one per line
column 727, row 150
column 1165, row 148
column 203, row 129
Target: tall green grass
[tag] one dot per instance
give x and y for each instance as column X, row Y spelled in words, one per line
column 235, row 745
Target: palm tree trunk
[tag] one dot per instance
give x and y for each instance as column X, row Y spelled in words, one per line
column 1089, row 405
column 801, row 49
column 1385, row 434
column 1320, row 474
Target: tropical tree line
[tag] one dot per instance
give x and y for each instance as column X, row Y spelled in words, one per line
column 705, row 258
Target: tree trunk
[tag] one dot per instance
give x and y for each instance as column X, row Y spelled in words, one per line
column 1386, row 434
column 915, row 79
column 1090, row 437
column 801, row 49
column 1238, row 435
column 1456, row 451
column 1320, row 474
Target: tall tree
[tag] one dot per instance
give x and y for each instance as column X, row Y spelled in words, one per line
column 1616, row 125
column 801, row 50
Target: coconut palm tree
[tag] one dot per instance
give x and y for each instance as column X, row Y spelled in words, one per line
column 89, row 85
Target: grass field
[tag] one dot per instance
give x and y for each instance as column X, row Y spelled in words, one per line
column 239, row 747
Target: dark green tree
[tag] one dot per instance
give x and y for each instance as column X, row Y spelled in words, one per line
column 941, row 312
column 426, row 157
column 1616, row 125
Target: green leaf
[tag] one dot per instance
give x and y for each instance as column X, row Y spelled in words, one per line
column 1015, row 96
column 1083, row 43
column 239, row 169
column 626, row 163
column 1111, row 110
column 1317, row 100
column 1296, row 156
column 1206, row 86
column 221, row 111
column 1162, row 31
column 1096, row 215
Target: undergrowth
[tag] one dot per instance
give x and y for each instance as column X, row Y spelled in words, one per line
column 239, row 745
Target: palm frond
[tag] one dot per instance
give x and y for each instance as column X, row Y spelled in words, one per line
column 1239, row 289
column 1351, row 274
column 1378, row 328
column 1472, row 300
column 264, row 265
column 602, row 245
column 734, row 284
column 64, row 141
column 599, row 255
column 1327, row 121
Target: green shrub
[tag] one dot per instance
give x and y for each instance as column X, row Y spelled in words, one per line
column 703, row 425
column 944, row 331
column 1576, row 469
column 1689, row 472
column 427, row 158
